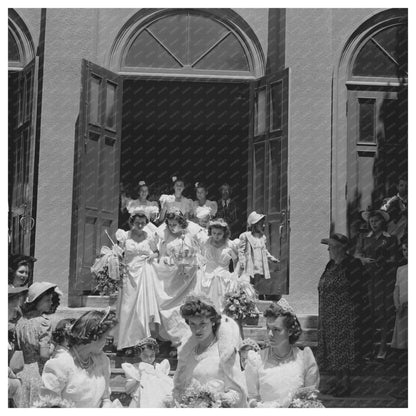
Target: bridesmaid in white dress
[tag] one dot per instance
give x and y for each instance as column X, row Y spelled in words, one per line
column 202, row 201
column 217, row 252
column 276, row 373
column 176, row 201
column 138, row 310
column 177, row 271
column 209, row 356
column 142, row 203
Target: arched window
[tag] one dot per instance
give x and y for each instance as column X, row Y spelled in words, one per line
column 383, row 54
column 187, row 42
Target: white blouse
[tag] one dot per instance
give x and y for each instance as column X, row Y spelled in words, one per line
column 63, row 378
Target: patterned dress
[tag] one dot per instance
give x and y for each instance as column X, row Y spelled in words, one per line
column 32, row 333
column 341, row 309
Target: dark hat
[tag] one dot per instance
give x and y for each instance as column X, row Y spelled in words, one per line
column 374, row 212
column 336, row 238
column 16, row 291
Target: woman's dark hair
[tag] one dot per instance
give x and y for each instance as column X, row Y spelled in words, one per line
column 178, row 216
column 56, row 301
column 29, row 307
column 202, row 186
column 61, row 332
column 138, row 215
column 91, row 326
column 291, row 321
column 17, row 261
column 221, row 225
column 178, row 179
column 195, row 306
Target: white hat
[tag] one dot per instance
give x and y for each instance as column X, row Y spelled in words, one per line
column 37, row 289
column 254, row 218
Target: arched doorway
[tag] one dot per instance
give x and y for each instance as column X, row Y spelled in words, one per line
column 21, row 135
column 371, row 129
column 184, row 105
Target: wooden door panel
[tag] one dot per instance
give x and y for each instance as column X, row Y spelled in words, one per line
column 97, row 170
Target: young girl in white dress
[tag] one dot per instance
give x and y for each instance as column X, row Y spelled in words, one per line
column 201, row 193
column 138, row 310
column 217, row 253
column 278, row 372
column 175, row 201
column 148, row 382
column 253, row 254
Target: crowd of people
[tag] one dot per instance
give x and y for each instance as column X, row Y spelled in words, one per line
column 179, row 260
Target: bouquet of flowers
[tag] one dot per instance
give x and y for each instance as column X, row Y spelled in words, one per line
column 306, row 398
column 109, row 270
column 240, row 303
column 200, row 396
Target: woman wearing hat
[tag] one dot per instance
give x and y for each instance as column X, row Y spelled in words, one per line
column 138, row 310
column 82, row 375
column 275, row 374
column 33, row 335
column 253, row 254
column 342, row 304
column 209, row 358
column 378, row 251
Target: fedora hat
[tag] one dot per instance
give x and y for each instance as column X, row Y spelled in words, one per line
column 336, row 238
column 373, row 212
column 254, row 218
column 37, row 289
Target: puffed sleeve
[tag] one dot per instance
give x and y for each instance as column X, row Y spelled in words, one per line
column 253, row 364
column 121, row 236
column 214, row 208
column 54, row 377
column 311, row 370
column 44, row 332
column 242, row 249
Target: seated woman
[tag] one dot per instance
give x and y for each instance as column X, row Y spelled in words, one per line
column 209, row 356
column 276, row 373
column 82, row 375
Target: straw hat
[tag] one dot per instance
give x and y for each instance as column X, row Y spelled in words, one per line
column 371, row 213
column 254, row 218
column 37, row 289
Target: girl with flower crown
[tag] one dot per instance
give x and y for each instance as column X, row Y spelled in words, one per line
column 142, row 203
column 81, row 375
column 175, row 201
column 138, row 310
column 217, row 253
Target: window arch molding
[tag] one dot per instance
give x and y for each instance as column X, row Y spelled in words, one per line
column 23, row 41
column 342, row 82
column 226, row 17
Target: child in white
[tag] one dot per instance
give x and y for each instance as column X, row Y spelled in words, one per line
column 399, row 340
column 148, row 383
column 253, row 254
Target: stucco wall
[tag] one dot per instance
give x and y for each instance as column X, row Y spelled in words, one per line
column 314, row 41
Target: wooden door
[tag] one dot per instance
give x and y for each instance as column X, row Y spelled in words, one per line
column 96, row 172
column 21, row 152
column 268, row 190
column 377, row 148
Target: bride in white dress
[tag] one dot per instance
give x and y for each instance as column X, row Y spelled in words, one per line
column 138, row 310
column 277, row 373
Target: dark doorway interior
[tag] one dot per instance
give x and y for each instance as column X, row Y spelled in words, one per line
column 194, row 130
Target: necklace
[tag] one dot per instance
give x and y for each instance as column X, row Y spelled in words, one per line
column 278, row 357
column 199, row 350
column 84, row 363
